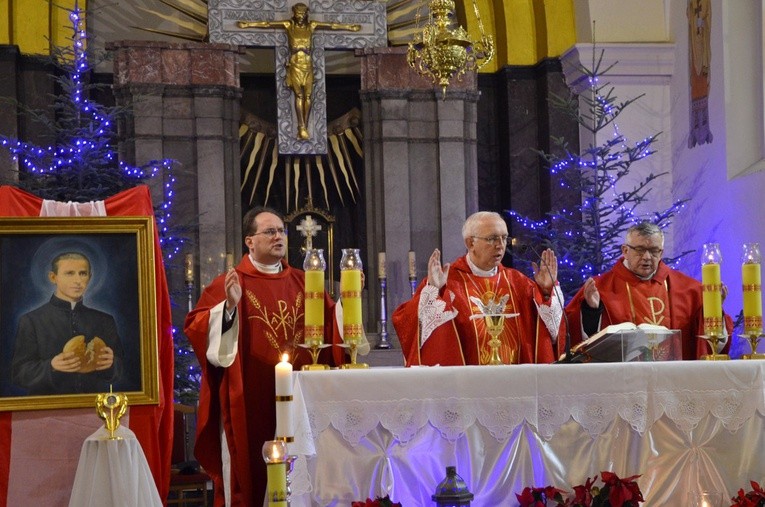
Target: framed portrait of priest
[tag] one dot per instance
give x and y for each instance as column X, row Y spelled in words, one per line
column 77, row 311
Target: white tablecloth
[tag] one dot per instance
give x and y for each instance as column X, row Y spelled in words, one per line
column 113, row 473
column 692, row 425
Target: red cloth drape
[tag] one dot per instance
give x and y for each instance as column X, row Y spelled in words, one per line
column 152, row 424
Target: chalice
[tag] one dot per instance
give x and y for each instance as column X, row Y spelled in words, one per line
column 494, row 326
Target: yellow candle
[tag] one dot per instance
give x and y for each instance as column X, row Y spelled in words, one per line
column 229, row 262
column 412, row 265
column 314, row 306
column 350, row 292
column 381, row 265
column 712, row 296
column 277, row 484
column 751, row 278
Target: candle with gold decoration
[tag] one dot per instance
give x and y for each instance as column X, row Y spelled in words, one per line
column 751, row 279
column 314, row 267
column 712, row 289
column 350, row 292
column 283, row 380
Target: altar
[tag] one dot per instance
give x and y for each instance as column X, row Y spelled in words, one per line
column 684, row 426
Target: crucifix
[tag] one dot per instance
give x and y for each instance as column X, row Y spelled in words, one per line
column 299, row 44
column 308, row 228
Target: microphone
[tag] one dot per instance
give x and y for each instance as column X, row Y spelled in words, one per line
column 568, row 356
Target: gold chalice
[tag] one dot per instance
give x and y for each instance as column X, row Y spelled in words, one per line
column 494, row 326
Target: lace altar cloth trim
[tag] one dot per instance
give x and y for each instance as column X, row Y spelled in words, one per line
column 732, row 395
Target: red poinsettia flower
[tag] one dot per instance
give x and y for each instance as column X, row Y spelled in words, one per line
column 622, row 491
column 377, row 502
column 583, row 493
column 753, row 498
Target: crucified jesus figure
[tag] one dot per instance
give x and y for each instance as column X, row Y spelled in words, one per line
column 300, row 31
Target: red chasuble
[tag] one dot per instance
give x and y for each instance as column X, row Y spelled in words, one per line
column 242, row 396
column 670, row 299
column 463, row 340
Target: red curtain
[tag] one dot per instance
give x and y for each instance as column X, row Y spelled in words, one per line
column 152, row 424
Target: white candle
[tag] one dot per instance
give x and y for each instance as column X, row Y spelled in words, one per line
column 284, row 377
column 381, row 265
column 412, row 265
column 283, row 373
column 229, row 262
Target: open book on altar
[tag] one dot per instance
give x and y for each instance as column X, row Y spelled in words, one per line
column 627, row 342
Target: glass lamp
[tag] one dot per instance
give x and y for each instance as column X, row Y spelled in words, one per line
column 452, row 491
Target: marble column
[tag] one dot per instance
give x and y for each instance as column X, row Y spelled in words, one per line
column 420, row 163
column 184, row 102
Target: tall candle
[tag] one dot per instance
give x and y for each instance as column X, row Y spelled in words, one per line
column 412, row 265
column 381, row 265
column 283, row 375
column 314, row 266
column 314, row 307
column 350, row 292
column 751, row 280
column 712, row 298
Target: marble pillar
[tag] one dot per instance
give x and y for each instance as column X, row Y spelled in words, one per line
column 184, row 99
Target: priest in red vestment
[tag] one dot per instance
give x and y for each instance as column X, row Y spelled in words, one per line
column 244, row 320
column 640, row 288
column 442, row 323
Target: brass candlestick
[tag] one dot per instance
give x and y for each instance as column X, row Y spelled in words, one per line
column 713, row 340
column 753, row 339
column 353, row 345
column 314, row 348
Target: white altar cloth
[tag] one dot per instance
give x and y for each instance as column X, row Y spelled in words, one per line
column 113, row 473
column 685, row 426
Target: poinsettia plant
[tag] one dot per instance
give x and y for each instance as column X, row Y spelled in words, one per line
column 377, row 502
column 614, row 492
column 753, row 498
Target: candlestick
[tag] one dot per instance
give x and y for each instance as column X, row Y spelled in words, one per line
column 188, row 266
column 283, row 377
column 350, row 292
column 383, row 343
column 381, row 265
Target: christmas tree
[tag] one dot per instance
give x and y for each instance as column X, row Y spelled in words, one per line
column 82, row 165
column 587, row 236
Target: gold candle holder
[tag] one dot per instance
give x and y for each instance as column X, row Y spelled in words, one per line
column 714, row 340
column 753, row 340
column 353, row 345
column 314, row 348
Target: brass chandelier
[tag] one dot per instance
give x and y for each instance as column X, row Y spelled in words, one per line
column 442, row 51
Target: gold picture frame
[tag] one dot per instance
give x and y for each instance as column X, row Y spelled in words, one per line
column 117, row 300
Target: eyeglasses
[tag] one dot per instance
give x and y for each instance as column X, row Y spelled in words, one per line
column 655, row 252
column 493, row 240
column 271, row 233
